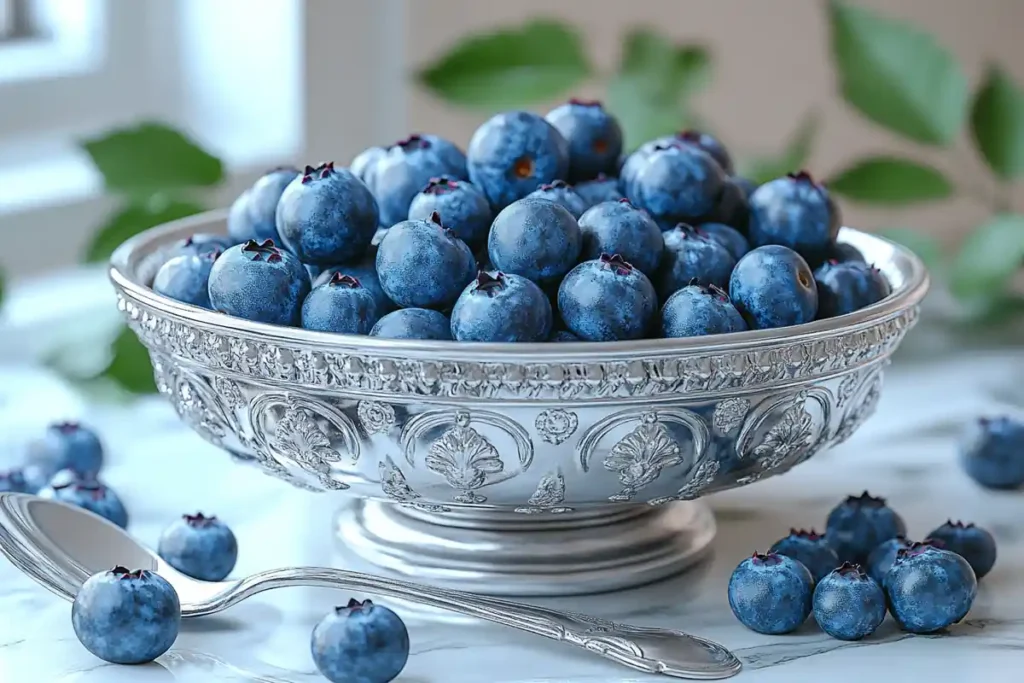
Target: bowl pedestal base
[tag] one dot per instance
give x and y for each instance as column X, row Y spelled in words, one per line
column 517, row 555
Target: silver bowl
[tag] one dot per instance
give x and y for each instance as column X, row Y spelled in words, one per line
column 526, row 469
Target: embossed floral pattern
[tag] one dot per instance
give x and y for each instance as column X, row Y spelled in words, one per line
column 193, row 409
column 846, row 389
column 394, row 485
column 299, row 438
column 860, row 412
column 729, row 414
column 376, row 417
column 229, row 392
column 556, row 425
column 790, row 435
column 548, row 497
column 703, row 475
column 641, row 455
column 464, row 459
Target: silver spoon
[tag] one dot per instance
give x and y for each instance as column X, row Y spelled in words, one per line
column 61, row 546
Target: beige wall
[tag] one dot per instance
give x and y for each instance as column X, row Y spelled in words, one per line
column 772, row 65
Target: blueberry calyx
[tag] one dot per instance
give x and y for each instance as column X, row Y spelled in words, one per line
column 768, row 559
column 340, row 280
column 555, row 185
column 68, row 427
column 440, row 185
column 802, row 176
column 662, row 146
column 624, row 200
column 199, row 520
column 354, row 605
column 321, row 171
column 865, row 500
column 435, row 218
column 618, row 264
column 916, row 548
column 689, row 231
column 262, row 251
column 213, row 254
column 123, row 573
column 490, row 284
column 718, row 293
column 522, row 167
column 851, row 569
column 959, row 524
column 578, row 102
column 810, row 535
column 414, row 141
column 689, row 135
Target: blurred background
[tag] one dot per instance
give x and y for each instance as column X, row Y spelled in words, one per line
column 117, row 115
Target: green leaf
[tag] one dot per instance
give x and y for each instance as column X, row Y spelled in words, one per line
column 133, row 219
column 130, row 367
column 925, row 246
column 793, row 158
column 655, row 79
column 152, row 157
column 892, row 181
column 997, row 121
column 897, row 75
column 513, row 67
column 989, row 258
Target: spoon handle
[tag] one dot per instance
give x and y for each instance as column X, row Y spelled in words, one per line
column 651, row 650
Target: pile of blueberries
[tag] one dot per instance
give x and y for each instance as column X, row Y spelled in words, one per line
column 132, row 616
column 861, row 567
column 421, row 241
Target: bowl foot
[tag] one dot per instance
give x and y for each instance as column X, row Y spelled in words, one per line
column 514, row 555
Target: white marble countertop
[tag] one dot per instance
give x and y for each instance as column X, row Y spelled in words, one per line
column 905, row 453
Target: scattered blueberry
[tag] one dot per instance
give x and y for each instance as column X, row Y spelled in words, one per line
column 340, row 305
column 594, row 137
column 186, row 278
column 811, row 549
column 90, row 495
column 13, row 481
column 709, row 144
column 844, row 287
column 929, row 588
column 366, row 272
column 414, row 323
column 258, row 281
column 974, row 544
column 199, row 546
column 561, row 193
column 859, row 524
column 601, row 189
column 496, row 307
column 462, row 206
column 992, row 452
column 407, row 168
column 771, row 593
column 327, row 216
column 364, row 165
column 253, row 216
column 881, row 558
column 535, row 238
column 728, row 236
column 848, row 604
column 795, row 212
column 618, row 227
column 772, row 286
column 697, row 310
column 677, row 182
column 607, row 300
column 126, row 617
column 199, row 244
column 691, row 254
column 514, row 153
column 70, row 445
column 422, row 264
column 360, row 643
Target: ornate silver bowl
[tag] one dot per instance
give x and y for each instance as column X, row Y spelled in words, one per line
column 526, row 469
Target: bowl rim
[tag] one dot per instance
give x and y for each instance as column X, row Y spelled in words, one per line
column 125, row 261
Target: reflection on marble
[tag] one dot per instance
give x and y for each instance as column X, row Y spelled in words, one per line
column 163, row 470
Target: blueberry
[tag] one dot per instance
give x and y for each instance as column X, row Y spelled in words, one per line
column 881, row 558
column 535, row 238
column 258, row 281
column 360, row 643
column 728, row 236
column 846, row 287
column 253, row 215
column 199, row 546
column 859, row 524
column 561, row 193
column 929, row 588
column 407, row 168
column 811, row 549
column 607, row 299
column 594, row 137
column 365, row 271
column 773, row 287
column 423, row 264
column 974, row 544
column 13, row 481
column 90, row 495
column 601, row 189
column 691, row 254
column 70, row 445
column 732, row 208
column 561, row 336
column 199, row 244
column 462, row 206
column 414, row 323
column 514, row 153
column 747, row 185
column 496, row 307
column 697, row 310
column 126, row 617
column 327, row 216
column 620, row 228
column 771, row 593
column 677, row 182
column 992, row 452
column 709, row 144
column 796, row 212
column 364, row 165
column 848, row 604
column 186, row 278
column 843, row 252
column 340, row 305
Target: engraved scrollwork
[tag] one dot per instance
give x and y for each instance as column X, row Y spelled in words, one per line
column 860, row 409
column 375, row 416
column 395, row 486
column 555, row 425
column 194, row 400
column 784, row 432
column 729, row 414
column 846, row 388
column 703, row 475
column 548, row 497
